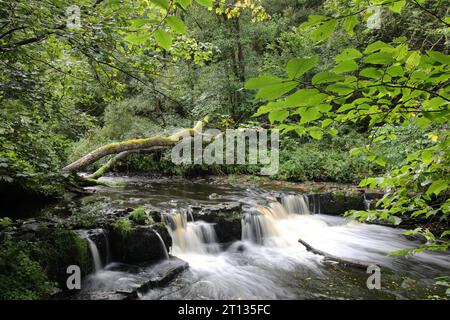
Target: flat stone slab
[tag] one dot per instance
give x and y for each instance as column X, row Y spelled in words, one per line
column 122, row 281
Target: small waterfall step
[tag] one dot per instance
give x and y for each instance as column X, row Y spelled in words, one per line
column 197, row 237
column 96, row 238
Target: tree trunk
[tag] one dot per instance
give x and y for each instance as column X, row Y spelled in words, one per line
column 131, row 145
column 350, row 263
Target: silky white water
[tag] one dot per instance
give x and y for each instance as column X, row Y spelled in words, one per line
column 270, row 263
column 95, row 255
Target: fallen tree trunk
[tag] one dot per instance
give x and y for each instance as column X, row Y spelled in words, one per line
column 350, row 263
column 131, row 145
column 107, row 166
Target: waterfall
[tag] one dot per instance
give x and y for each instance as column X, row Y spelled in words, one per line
column 191, row 237
column 96, row 258
column 367, row 203
column 108, row 249
column 263, row 223
column 95, row 255
column 298, row 204
column 163, row 245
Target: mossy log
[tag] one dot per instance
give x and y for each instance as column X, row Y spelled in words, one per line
column 131, row 145
column 347, row 262
column 124, row 154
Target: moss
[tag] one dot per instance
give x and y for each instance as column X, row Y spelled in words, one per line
column 59, row 248
column 339, row 196
column 122, row 226
column 139, row 216
column 5, row 223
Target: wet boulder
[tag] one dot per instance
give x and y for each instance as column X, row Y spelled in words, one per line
column 336, row 203
column 140, row 244
column 226, row 218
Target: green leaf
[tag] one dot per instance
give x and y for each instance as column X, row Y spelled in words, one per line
column 276, row 90
column 326, row 77
column 312, row 21
column 161, row 3
column 377, row 46
column 346, row 66
column 270, row 87
column 163, row 39
column 298, row 66
column 348, row 54
column 176, row 24
column 184, row 3
column 305, row 97
column 413, row 60
column 397, row 6
column 205, row 3
column 324, row 31
column 395, row 71
column 437, row 187
column 371, row 73
column 327, row 122
column 315, row 132
column 379, row 58
column 137, row 38
column 350, row 23
column 278, row 115
column 309, row 114
column 440, row 57
column 340, row 89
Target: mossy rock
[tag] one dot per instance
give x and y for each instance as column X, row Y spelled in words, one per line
column 138, row 245
column 60, row 248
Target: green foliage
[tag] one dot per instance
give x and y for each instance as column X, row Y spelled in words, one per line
column 30, row 269
column 382, row 85
column 324, row 160
column 139, row 216
column 21, row 278
column 5, row 223
column 123, row 226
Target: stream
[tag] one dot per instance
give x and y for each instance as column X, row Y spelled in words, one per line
column 268, row 262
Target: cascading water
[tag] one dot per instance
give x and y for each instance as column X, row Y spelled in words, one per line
column 297, row 204
column 269, row 262
column 108, row 249
column 163, row 245
column 196, row 237
column 262, row 225
column 95, row 255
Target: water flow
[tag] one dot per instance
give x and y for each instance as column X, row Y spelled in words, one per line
column 163, row 245
column 297, row 204
column 196, row 237
column 262, row 226
column 95, row 255
column 94, row 250
column 108, row 249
